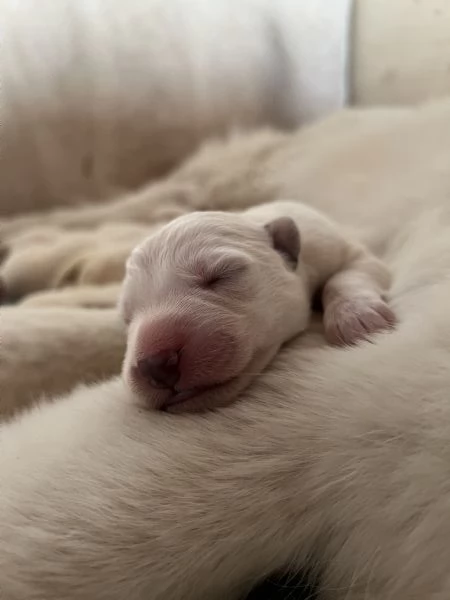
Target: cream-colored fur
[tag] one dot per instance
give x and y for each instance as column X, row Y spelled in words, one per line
column 267, row 165
column 49, row 258
column 85, row 296
column 336, row 459
column 48, row 350
column 211, row 297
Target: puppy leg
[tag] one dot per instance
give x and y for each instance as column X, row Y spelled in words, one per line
column 352, row 280
column 354, row 301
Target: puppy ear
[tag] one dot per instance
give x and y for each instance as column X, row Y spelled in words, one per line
column 285, row 238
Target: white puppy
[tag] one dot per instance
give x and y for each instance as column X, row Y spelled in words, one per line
column 211, row 297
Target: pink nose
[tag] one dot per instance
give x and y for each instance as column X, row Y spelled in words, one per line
column 161, row 369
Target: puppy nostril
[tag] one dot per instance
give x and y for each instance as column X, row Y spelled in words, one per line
column 160, row 369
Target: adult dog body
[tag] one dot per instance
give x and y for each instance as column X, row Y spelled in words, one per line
column 336, row 459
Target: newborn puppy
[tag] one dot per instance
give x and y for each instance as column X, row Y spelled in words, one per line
column 210, row 298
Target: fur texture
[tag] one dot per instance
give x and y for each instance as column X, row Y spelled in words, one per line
column 336, row 459
column 41, row 349
column 253, row 169
column 61, row 260
column 211, row 297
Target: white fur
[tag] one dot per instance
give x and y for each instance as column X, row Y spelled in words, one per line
column 266, row 264
column 336, row 459
column 40, row 349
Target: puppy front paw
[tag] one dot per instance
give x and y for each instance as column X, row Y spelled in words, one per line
column 352, row 319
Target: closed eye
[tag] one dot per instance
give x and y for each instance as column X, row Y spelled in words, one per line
column 213, row 280
column 222, row 275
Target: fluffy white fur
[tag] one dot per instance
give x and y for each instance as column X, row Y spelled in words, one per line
column 47, row 258
column 337, row 459
column 211, row 297
column 352, row 177
column 41, row 347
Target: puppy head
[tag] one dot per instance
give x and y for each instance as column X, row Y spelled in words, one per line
column 209, row 299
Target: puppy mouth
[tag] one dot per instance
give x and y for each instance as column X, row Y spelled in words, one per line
column 179, row 397
column 164, row 399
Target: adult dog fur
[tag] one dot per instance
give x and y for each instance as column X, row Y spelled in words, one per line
column 336, row 459
column 352, row 167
